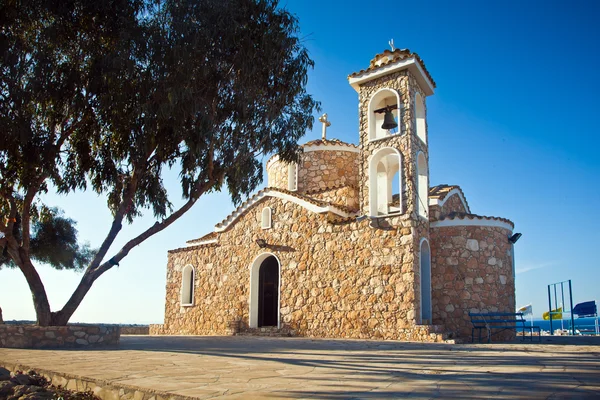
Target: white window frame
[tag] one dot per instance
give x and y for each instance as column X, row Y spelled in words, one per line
column 266, row 216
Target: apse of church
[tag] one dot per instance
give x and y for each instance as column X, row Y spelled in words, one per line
column 351, row 241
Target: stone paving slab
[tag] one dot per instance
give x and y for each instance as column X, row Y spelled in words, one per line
column 261, row 367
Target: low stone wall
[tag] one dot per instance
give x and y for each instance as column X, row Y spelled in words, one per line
column 39, row 337
column 135, row 330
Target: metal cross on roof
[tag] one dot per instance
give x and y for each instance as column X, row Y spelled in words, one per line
column 326, row 124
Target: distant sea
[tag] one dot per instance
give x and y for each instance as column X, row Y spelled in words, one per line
column 580, row 323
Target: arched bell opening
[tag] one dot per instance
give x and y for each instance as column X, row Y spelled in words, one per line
column 383, row 110
column 385, row 182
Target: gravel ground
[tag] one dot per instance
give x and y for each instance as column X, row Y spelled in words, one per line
column 31, row 386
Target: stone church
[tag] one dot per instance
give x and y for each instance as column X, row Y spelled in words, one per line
column 351, row 241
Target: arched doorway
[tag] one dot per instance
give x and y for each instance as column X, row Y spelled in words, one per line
column 268, row 292
column 264, row 291
column 425, row 261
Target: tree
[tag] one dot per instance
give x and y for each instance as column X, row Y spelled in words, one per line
column 104, row 96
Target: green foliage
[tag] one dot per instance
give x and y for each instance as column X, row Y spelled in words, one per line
column 103, row 95
column 54, row 242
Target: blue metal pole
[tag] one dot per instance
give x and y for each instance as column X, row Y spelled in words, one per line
column 572, row 318
column 550, row 308
column 562, row 295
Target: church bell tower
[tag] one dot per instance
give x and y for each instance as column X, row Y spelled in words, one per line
column 394, row 171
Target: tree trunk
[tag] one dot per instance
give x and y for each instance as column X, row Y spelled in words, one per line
column 38, row 292
column 62, row 317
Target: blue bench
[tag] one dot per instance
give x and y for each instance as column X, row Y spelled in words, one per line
column 496, row 322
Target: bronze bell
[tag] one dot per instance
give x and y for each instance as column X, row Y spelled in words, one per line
column 388, row 120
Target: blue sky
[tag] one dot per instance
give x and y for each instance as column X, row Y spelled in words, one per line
column 512, row 122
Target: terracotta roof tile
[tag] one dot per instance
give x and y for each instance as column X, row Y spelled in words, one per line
column 209, row 236
column 308, row 199
column 200, row 246
column 440, row 192
column 458, row 215
column 319, row 142
column 397, row 54
column 321, row 190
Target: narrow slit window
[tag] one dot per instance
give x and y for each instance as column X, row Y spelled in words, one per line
column 187, row 286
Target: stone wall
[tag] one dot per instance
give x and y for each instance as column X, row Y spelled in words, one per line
column 277, row 174
column 472, row 270
column 346, row 196
column 321, row 169
column 33, row 336
column 406, row 142
column 134, row 330
column 345, row 280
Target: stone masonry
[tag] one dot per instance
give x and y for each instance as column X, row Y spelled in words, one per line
column 71, row 336
column 344, row 273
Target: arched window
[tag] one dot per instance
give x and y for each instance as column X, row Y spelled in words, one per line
column 266, row 218
column 425, row 267
column 187, row 286
column 379, row 102
column 420, row 114
column 293, row 177
column 422, row 186
column 385, row 182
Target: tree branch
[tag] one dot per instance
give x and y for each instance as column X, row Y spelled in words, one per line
column 117, row 223
column 158, row 226
column 33, row 189
column 91, row 274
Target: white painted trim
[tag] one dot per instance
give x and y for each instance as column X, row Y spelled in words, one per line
column 198, row 243
column 270, row 218
column 409, row 63
column 493, row 223
column 192, row 283
column 379, row 139
column 438, row 202
column 254, row 268
column 331, row 147
column 284, row 196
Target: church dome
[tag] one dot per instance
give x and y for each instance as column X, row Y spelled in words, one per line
column 324, row 164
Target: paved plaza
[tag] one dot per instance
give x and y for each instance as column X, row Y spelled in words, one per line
column 255, row 367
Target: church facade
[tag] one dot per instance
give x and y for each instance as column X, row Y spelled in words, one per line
column 351, row 241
